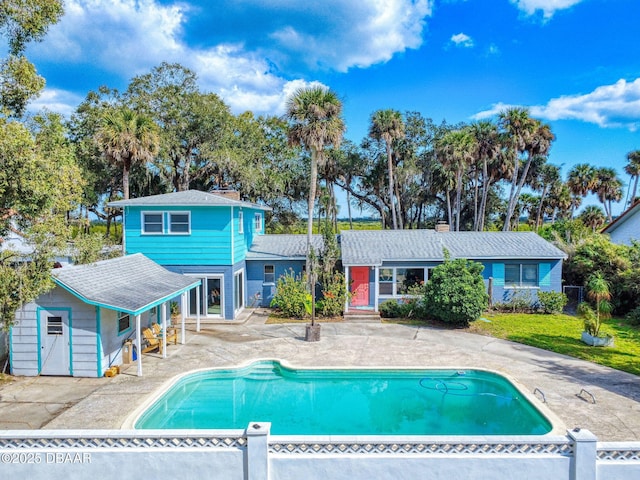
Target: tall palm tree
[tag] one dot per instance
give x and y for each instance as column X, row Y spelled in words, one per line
column 387, row 125
column 525, row 134
column 488, row 147
column 126, row 137
column 593, row 216
column 457, row 149
column 608, row 188
column 633, row 169
column 548, row 177
column 315, row 122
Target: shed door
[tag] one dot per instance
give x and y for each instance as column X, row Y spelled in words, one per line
column 359, row 286
column 54, row 343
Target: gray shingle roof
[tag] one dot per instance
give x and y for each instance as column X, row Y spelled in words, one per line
column 372, row 247
column 188, row 198
column 282, row 247
column 129, row 284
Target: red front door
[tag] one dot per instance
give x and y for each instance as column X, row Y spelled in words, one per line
column 359, row 286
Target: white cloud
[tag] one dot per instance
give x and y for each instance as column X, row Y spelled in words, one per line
column 547, row 7
column 124, row 38
column 616, row 105
column 56, row 100
column 462, row 40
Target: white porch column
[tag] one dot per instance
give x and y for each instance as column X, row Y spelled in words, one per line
column 346, row 286
column 138, row 346
column 183, row 300
column 198, row 309
column 376, row 288
column 163, row 321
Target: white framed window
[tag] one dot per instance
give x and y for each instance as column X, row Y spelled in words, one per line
column 269, row 274
column 257, row 222
column 396, row 281
column 240, row 221
column 124, row 322
column 152, row 223
column 521, row 275
column 180, row 223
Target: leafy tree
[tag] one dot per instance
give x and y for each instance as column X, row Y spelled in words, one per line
column 455, row 292
column 22, row 22
column 593, row 217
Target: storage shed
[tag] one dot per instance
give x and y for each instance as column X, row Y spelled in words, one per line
column 80, row 326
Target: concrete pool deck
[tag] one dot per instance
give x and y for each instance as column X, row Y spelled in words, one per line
column 105, row 403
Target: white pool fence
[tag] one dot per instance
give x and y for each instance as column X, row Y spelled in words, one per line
column 254, row 454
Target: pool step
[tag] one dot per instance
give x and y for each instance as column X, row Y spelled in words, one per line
column 263, row 372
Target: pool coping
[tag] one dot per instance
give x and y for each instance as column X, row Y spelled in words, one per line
column 557, row 425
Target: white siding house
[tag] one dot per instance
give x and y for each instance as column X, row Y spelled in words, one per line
column 626, row 228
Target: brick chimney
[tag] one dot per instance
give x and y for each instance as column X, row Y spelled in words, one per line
column 442, row 227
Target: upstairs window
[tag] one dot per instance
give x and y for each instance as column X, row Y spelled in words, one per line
column 152, row 222
column 240, row 222
column 179, row 222
column 257, row 221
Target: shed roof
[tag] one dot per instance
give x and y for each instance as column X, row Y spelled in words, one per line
column 373, row 247
column 282, row 247
column 187, row 198
column 131, row 284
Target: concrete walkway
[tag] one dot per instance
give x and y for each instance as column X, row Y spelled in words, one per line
column 105, row 403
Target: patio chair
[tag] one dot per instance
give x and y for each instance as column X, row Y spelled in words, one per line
column 153, row 343
column 172, row 333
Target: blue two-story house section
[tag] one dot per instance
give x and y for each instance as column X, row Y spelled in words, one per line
column 199, row 234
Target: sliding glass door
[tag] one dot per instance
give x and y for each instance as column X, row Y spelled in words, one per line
column 211, row 297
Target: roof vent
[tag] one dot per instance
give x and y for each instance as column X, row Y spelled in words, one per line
column 442, row 227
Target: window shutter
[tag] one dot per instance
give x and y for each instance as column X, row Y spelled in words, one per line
column 498, row 274
column 544, row 274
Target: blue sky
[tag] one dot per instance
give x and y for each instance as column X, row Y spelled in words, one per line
column 574, row 63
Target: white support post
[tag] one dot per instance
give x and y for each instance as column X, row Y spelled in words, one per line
column 138, row 345
column 376, row 288
column 585, row 454
column 258, row 450
column 346, row 286
column 163, row 320
column 198, row 309
column 183, row 301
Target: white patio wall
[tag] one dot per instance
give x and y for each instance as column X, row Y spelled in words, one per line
column 255, row 455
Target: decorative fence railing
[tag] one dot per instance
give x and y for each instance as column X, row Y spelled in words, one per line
column 253, row 454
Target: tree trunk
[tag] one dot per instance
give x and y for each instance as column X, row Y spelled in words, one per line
column 390, row 170
column 310, row 204
column 349, row 210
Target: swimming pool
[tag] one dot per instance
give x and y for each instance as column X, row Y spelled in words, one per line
column 347, row 402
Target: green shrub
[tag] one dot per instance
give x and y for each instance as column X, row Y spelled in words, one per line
column 334, row 296
column 456, row 293
column 634, row 316
column 390, row 309
column 292, row 297
column 552, row 302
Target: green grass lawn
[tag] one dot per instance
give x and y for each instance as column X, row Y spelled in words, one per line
column 561, row 334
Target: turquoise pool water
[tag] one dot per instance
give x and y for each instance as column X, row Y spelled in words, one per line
column 347, row 402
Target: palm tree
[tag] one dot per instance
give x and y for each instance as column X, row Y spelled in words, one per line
column 387, row 125
column 548, row 177
column 315, row 122
column 526, row 135
column 457, row 149
column 608, row 188
column 582, row 179
column 488, row 148
column 126, row 137
column 633, row 169
column 599, row 293
column 593, row 216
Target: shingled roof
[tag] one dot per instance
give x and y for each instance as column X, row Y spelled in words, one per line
column 187, row 198
column 282, row 247
column 131, row 284
column 372, row 247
